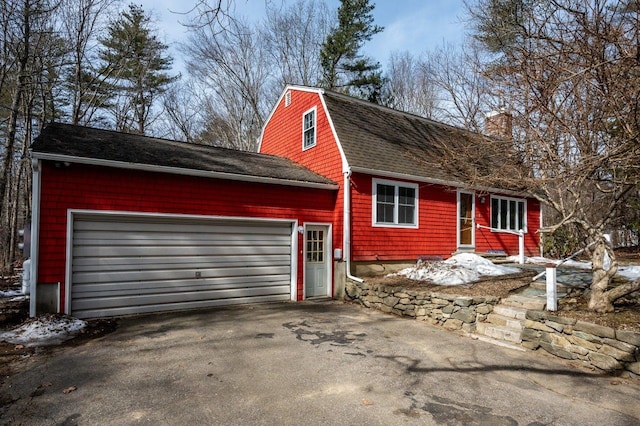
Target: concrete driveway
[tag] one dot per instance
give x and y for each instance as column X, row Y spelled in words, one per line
column 306, row 363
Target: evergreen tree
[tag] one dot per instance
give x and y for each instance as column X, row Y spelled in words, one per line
column 344, row 67
column 134, row 58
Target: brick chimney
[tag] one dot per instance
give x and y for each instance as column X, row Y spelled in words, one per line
column 499, row 124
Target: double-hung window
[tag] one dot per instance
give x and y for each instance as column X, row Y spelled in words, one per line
column 508, row 214
column 395, row 204
column 309, row 129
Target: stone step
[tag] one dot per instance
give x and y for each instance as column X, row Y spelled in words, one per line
column 533, row 303
column 499, row 332
column 510, row 311
column 504, row 321
column 496, row 342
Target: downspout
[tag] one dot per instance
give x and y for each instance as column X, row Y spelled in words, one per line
column 35, row 232
column 346, row 231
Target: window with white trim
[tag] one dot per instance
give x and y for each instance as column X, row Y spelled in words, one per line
column 309, row 129
column 508, row 213
column 395, row 203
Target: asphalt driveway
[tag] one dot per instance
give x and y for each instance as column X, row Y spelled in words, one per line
column 306, row 363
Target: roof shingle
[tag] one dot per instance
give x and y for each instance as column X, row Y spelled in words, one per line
column 386, row 140
column 90, row 143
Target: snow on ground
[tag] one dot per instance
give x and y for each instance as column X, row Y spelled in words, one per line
column 541, row 260
column 631, row 272
column 10, row 293
column 463, row 268
column 45, row 330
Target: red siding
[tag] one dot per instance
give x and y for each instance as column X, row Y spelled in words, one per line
column 283, row 136
column 436, row 232
column 436, row 235
column 102, row 188
column 487, row 240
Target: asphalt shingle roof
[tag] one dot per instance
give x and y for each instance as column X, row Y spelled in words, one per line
column 378, row 138
column 90, row 143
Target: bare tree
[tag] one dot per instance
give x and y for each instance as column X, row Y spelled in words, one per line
column 235, row 68
column 570, row 73
column 294, row 37
column 183, row 117
column 82, row 21
column 29, row 56
column 462, row 88
column 410, row 85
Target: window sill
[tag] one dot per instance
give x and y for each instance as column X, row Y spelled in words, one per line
column 394, row 225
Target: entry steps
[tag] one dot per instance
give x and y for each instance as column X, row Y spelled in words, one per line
column 504, row 325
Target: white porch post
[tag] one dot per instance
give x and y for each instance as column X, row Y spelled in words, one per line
column 521, row 247
column 552, row 289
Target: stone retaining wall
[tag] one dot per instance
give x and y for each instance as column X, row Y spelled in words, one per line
column 602, row 347
column 450, row 311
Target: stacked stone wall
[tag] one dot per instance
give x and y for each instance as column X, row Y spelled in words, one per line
column 451, row 311
column 602, row 347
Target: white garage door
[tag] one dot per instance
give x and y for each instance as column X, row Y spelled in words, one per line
column 130, row 264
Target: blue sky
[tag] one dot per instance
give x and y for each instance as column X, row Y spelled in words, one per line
column 413, row 25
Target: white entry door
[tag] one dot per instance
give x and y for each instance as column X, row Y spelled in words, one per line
column 316, row 261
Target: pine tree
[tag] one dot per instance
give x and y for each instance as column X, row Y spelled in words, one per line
column 134, row 58
column 344, row 67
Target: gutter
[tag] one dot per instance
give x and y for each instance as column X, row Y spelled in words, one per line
column 346, row 228
column 408, row 177
column 182, row 171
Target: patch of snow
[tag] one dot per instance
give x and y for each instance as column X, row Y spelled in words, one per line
column 45, row 330
column 463, row 268
column 18, row 299
column 577, row 264
column 540, row 260
column 631, row 272
column 10, row 293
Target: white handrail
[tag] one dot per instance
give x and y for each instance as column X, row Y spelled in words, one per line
column 564, row 260
column 519, row 233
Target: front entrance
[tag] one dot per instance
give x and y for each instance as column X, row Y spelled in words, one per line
column 316, row 263
column 466, row 220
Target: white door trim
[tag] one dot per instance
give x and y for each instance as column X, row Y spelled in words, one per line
column 328, row 256
column 114, row 213
column 473, row 219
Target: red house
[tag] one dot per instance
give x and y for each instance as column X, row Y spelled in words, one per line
column 126, row 224
column 394, row 204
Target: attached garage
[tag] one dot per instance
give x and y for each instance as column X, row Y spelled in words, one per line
column 126, row 224
column 129, row 264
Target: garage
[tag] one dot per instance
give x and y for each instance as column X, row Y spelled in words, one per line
column 124, row 264
column 129, row 224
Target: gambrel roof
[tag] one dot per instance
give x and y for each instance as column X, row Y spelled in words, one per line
column 380, row 139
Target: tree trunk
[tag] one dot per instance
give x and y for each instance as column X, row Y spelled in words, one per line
column 598, row 301
column 602, row 298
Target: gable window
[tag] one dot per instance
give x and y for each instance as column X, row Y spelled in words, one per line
column 395, row 203
column 508, row 213
column 309, row 129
